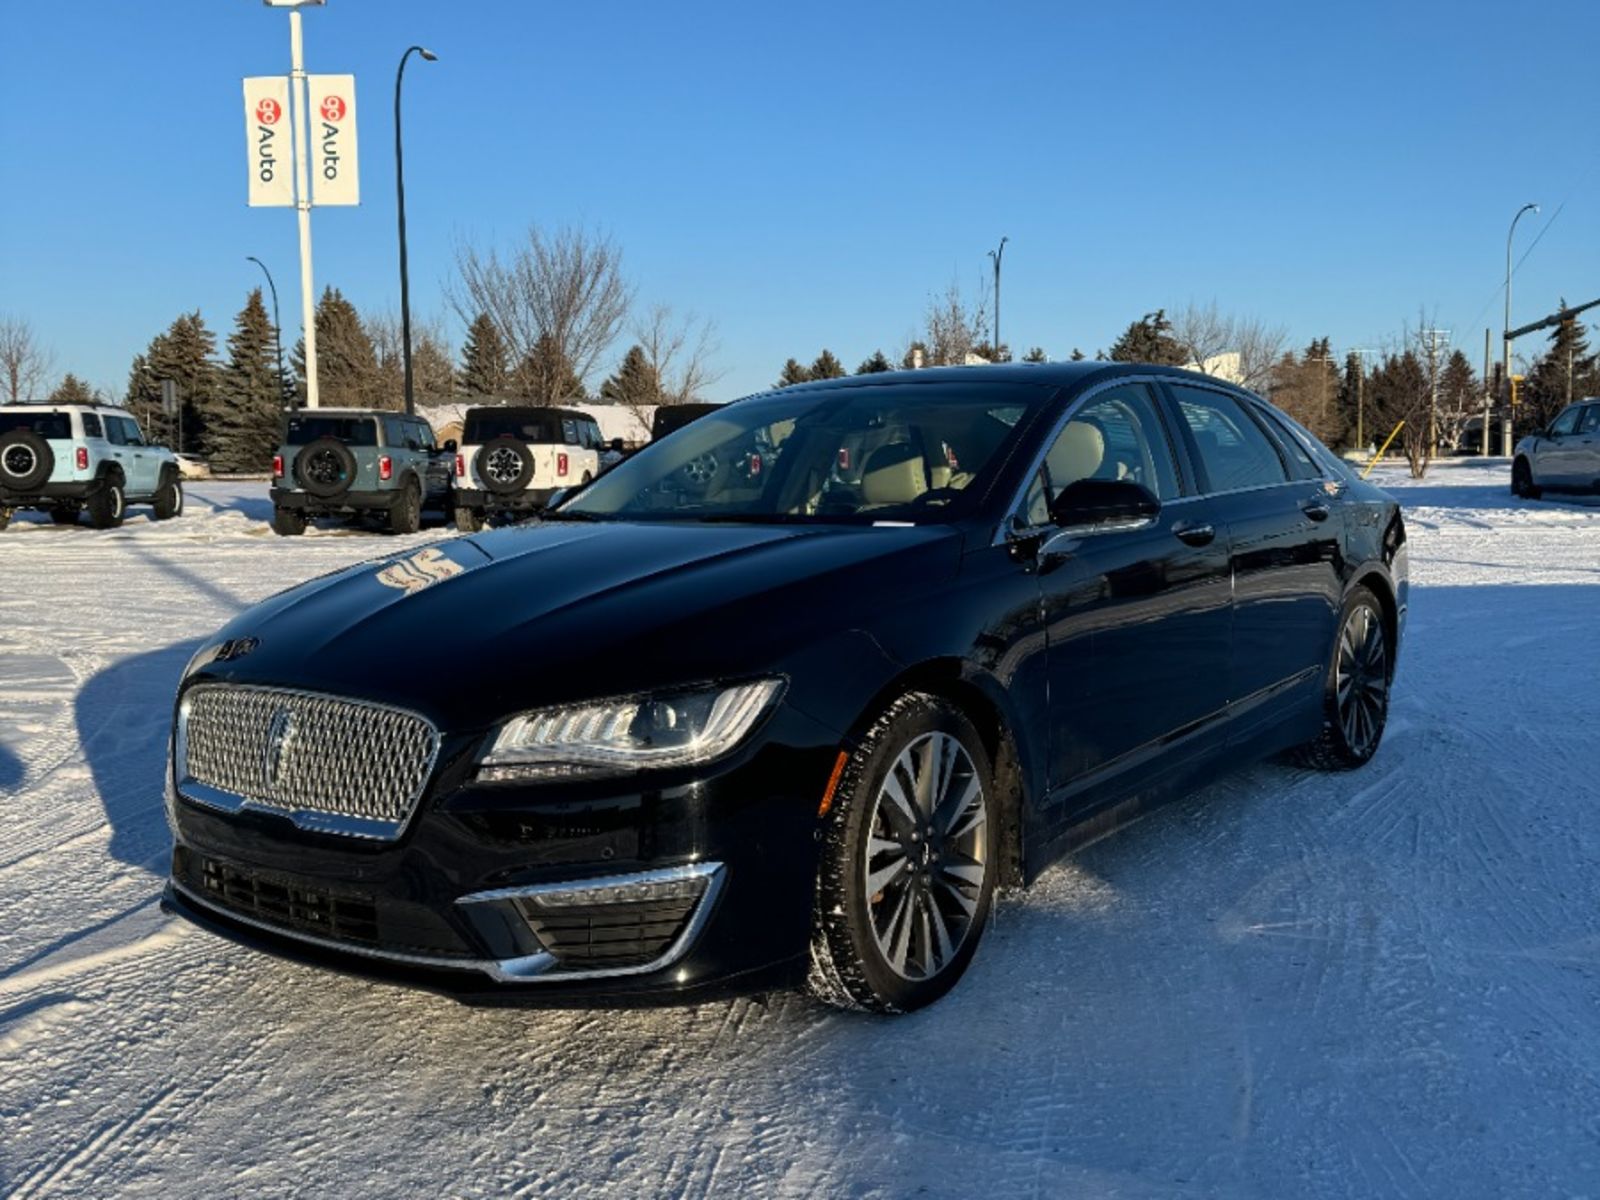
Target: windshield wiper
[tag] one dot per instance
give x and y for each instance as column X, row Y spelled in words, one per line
column 569, row 514
column 750, row 518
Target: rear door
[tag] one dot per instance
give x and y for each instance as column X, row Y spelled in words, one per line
column 1283, row 530
column 1137, row 621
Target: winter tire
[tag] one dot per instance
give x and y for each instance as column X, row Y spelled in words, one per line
column 168, row 502
column 1522, row 481
column 908, row 862
column 26, row 460
column 469, row 520
column 406, row 514
column 505, row 465
column 288, row 522
column 107, row 504
column 1355, row 688
column 325, row 468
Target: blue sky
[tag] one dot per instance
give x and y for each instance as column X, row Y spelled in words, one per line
column 807, row 175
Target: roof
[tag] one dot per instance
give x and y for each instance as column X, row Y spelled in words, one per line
column 1058, row 374
column 525, row 410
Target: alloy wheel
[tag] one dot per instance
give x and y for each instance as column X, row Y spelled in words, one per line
column 1361, row 679
column 503, row 465
column 924, row 865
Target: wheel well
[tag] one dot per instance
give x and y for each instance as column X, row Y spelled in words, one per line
column 112, row 473
column 943, row 678
column 1375, row 583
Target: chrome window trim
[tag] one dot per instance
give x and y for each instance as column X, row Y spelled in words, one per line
column 312, row 820
column 531, row 968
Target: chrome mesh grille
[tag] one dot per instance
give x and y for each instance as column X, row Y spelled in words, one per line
column 305, row 753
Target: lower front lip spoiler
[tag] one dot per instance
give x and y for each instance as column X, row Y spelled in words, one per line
column 531, row 968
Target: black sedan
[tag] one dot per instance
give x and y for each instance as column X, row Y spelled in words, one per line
column 785, row 697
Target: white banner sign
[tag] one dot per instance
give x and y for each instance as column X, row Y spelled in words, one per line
column 266, row 125
column 334, row 177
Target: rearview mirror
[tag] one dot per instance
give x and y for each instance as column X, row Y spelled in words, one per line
column 1103, row 505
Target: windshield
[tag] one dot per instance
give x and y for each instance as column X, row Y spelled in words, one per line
column 915, row 453
column 352, row 431
column 52, row 426
column 524, row 426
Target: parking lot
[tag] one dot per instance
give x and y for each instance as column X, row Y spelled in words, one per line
column 1292, row 984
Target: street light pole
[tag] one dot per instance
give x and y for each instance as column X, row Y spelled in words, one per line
column 400, row 206
column 997, row 254
column 277, row 325
column 1505, row 345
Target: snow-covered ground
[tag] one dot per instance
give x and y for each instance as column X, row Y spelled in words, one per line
column 1385, row 983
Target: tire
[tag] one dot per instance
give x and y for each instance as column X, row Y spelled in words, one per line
column 1355, row 689
column 26, row 460
column 405, row 516
column 468, row 520
column 505, row 465
column 288, row 522
column 65, row 514
column 168, row 502
column 325, row 468
column 107, row 505
column 1522, row 481
column 905, row 943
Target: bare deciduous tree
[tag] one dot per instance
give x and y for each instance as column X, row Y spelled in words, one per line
column 432, row 371
column 1208, row 335
column 952, row 328
column 565, row 288
column 679, row 351
column 24, row 363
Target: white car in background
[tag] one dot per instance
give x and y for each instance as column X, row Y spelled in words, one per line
column 1565, row 456
column 513, row 458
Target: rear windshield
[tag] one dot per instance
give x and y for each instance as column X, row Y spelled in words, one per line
column 527, row 427
column 352, row 431
column 52, row 426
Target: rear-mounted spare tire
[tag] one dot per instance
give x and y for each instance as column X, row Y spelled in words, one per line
column 505, row 465
column 325, row 468
column 26, row 460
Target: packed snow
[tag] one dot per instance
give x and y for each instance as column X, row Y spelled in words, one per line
column 1291, row 984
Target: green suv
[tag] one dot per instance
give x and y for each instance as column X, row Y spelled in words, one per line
column 361, row 463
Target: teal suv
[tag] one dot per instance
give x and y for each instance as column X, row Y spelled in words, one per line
column 381, row 466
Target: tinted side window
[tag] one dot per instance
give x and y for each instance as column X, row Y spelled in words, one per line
column 1591, row 420
column 1118, row 434
column 130, row 430
column 1233, row 450
column 91, row 426
column 569, row 431
column 423, row 432
column 1303, row 465
column 394, row 432
column 1567, row 421
column 115, row 434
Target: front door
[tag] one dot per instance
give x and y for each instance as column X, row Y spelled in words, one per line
column 1137, row 621
column 1588, row 457
column 1558, row 460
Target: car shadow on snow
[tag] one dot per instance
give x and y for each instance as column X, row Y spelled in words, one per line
column 11, row 769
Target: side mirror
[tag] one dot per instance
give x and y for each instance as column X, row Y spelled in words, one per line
column 450, row 446
column 1103, row 505
column 616, row 444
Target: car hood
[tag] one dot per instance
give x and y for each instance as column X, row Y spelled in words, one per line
column 469, row 630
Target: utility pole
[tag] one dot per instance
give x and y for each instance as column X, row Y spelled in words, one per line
column 1360, row 354
column 300, row 120
column 997, row 255
column 1488, row 351
column 1437, row 338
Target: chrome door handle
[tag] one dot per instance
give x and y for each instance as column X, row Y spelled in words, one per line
column 1194, row 534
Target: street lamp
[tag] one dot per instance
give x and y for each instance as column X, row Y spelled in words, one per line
column 1505, row 345
column 997, row 254
column 277, row 326
column 400, row 205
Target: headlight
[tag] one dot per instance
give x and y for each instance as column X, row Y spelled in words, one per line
column 628, row 734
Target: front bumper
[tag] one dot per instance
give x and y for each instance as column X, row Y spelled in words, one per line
column 448, row 906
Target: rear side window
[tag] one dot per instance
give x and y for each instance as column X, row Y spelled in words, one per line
column 51, row 426
column 1300, row 460
column 1591, row 420
column 115, row 433
column 569, row 431
column 352, row 431
column 1234, row 451
column 130, row 430
column 91, row 425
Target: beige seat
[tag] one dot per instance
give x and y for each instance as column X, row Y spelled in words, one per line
column 1077, row 454
column 894, row 474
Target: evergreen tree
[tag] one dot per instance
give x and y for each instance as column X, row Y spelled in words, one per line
column 635, row 382
column 484, row 362
column 1149, row 340
column 1568, row 370
column 546, row 376
column 793, row 373
column 433, row 375
column 181, row 354
column 71, row 390
column 1036, row 355
column 1077, row 355
column 244, row 427
column 347, row 362
column 826, row 366
column 875, row 365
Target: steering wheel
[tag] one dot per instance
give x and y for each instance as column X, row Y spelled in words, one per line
column 938, row 495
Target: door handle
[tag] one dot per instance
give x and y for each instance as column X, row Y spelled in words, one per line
column 1194, row 534
column 1317, row 510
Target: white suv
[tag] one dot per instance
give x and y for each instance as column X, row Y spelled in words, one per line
column 71, row 458
column 512, row 459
